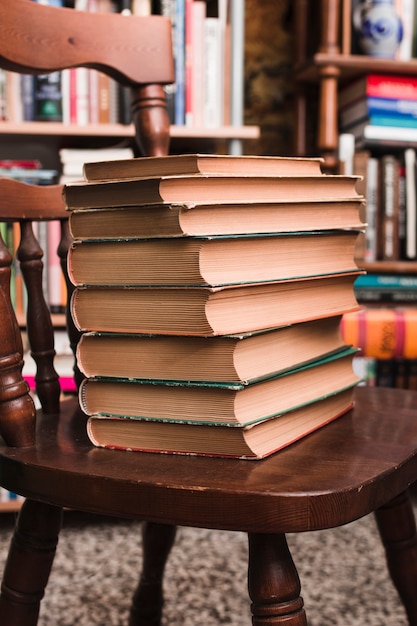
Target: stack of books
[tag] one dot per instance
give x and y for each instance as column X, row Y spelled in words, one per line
column 379, row 108
column 209, row 290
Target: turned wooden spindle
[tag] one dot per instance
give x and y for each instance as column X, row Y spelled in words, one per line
column 32, row 550
column 327, row 139
column 38, row 319
column 151, row 120
column 273, row 581
column 17, row 411
column 397, row 527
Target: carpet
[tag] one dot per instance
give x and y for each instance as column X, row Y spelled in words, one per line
column 343, row 574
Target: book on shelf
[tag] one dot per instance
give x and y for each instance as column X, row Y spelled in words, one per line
column 194, row 62
column 390, row 172
column 368, row 134
column 48, row 97
column 198, row 164
column 250, row 442
column 214, row 71
column 209, row 189
column 73, row 159
column 202, row 219
column 392, row 86
column 212, row 261
column 219, row 403
column 410, row 204
column 227, row 358
column 212, row 310
column 386, row 288
column 370, row 107
column 382, row 333
column 32, row 176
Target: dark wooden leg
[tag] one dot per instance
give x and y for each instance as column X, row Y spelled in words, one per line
column 29, row 563
column 397, row 528
column 148, row 598
column 273, row 582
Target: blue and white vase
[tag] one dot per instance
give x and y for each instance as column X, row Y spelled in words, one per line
column 378, row 28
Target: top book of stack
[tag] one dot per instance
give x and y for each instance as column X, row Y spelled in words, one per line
column 201, row 164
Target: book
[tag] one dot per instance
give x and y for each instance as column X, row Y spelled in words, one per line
column 48, row 97
column 202, row 164
column 372, row 213
column 214, row 71
column 388, row 288
column 379, row 85
column 211, row 261
column 219, row 403
column 209, row 189
column 229, row 358
column 179, row 62
column 382, row 333
column 396, row 121
column 196, row 54
column 251, row 442
column 212, row 310
column 368, row 134
column 369, row 106
column 390, row 207
column 201, row 219
column 410, row 204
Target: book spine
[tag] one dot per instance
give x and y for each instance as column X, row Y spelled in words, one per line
column 167, row 8
column 48, row 97
column 410, row 203
column 387, row 281
column 386, row 86
column 28, row 99
column 389, row 202
column 213, row 73
column 382, row 333
column 179, row 61
column 372, row 191
column 189, row 62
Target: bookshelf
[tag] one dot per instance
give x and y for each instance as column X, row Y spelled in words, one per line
column 322, row 63
column 325, row 60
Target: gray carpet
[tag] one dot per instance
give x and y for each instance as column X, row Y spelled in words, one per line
column 343, row 574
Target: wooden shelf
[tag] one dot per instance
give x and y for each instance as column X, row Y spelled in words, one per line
column 351, row 66
column 121, row 130
column 390, row 267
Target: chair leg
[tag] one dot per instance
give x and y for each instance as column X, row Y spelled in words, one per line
column 29, row 563
column 397, row 528
column 273, row 582
column 147, row 601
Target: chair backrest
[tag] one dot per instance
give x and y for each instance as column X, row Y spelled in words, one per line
column 37, row 39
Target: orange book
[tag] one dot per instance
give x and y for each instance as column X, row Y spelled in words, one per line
column 382, row 333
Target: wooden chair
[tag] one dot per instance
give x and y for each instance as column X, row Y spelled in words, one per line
column 359, row 464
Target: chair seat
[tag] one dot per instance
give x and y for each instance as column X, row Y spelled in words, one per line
column 335, row 475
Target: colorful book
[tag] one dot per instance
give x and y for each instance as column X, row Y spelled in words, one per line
column 209, row 311
column 382, row 333
column 386, row 288
column 211, row 261
column 370, row 106
column 380, row 86
column 229, row 358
